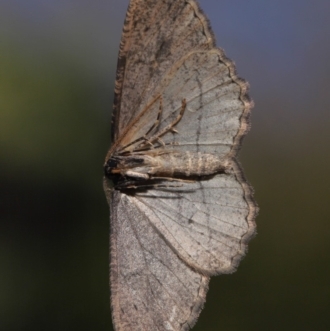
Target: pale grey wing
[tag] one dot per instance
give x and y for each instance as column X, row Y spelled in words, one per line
column 208, row 223
column 156, row 35
column 151, row 287
column 217, row 111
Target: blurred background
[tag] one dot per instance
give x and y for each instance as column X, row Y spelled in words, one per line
column 57, row 71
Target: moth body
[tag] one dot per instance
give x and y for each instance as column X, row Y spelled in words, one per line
column 167, row 164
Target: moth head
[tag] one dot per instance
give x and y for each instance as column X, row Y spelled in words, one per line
column 111, row 168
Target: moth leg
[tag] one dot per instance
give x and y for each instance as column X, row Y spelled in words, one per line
column 144, row 138
column 147, row 145
column 137, row 175
column 145, row 141
column 156, row 138
column 171, row 179
column 128, row 184
column 171, row 126
column 141, row 181
column 154, row 126
column 157, row 122
column 138, row 180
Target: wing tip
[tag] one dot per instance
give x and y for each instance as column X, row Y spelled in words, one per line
column 198, row 305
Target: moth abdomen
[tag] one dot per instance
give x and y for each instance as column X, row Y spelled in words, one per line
column 189, row 164
column 169, row 164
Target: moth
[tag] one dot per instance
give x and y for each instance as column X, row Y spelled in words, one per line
column 180, row 207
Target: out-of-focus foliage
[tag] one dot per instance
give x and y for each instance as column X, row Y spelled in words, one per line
column 53, row 212
column 57, row 64
column 45, row 112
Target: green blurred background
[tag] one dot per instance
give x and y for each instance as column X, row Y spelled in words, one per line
column 57, row 67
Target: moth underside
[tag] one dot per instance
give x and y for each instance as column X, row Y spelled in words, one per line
column 148, row 161
column 180, row 207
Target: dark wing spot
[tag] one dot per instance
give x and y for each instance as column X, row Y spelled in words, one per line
column 164, row 50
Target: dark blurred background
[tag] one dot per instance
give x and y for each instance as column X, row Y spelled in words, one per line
column 57, row 68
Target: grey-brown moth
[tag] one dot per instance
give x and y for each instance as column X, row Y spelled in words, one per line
column 180, row 208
